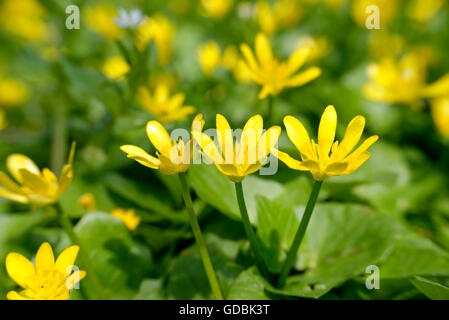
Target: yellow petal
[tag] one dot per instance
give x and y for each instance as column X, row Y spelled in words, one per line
column 11, row 190
column 299, row 137
column 17, row 197
column 208, row 146
column 351, row 138
column 336, row 168
column 198, row 123
column 296, row 164
column 438, row 88
column 225, row 138
column 67, row 259
column 45, row 260
column 362, row 148
column 34, row 182
column 49, row 176
column 141, row 156
column 161, row 94
column 357, row 162
column 74, row 278
column 19, row 268
column 263, row 49
column 13, row 295
column 268, row 141
column 297, row 59
column 249, row 56
column 326, row 132
column 16, row 162
column 304, row 77
column 159, row 137
column 71, row 153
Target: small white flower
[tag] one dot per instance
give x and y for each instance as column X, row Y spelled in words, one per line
column 129, row 20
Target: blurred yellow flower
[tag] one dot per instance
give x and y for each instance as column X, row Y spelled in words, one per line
column 100, row 18
column 216, row 9
column 403, row 81
column 24, row 18
column 231, row 61
column 47, row 279
column 168, row 80
column 396, row 81
column 115, row 67
column 164, row 107
column 319, row 47
column 424, row 10
column 283, row 14
column 36, row 187
column 440, row 114
column 384, row 44
column 387, row 11
column 128, row 217
column 316, row 158
column 87, row 201
column 162, row 31
column 209, row 57
column 249, row 153
column 12, row 92
column 172, row 157
column 274, row 75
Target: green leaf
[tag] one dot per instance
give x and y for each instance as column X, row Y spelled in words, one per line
column 249, row 285
column 341, row 241
column 217, row 190
column 150, row 289
column 432, row 289
column 120, row 262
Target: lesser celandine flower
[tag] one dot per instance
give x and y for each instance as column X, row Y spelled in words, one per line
column 100, row 18
column 159, row 29
column 175, row 158
column 387, row 11
column 172, row 156
column 249, row 153
column 424, row 10
column 402, row 81
column 47, row 279
column 209, row 57
column 440, row 114
column 324, row 159
column 216, row 9
column 327, row 158
column 128, row 217
column 34, row 186
column 283, row 14
column 115, row 67
column 319, row 46
column 274, row 75
column 12, row 92
column 166, row 108
column 24, row 18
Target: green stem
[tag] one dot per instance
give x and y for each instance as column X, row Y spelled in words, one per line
column 288, row 264
column 210, row 272
column 255, row 244
column 68, row 228
column 270, row 108
column 59, row 138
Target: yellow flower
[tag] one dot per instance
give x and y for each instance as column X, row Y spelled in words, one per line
column 36, row 187
column 424, row 10
column 387, row 11
column 216, row 9
column 115, row 67
column 162, row 31
column 440, row 114
column 47, row 279
column 12, row 92
column 283, row 14
column 166, row 108
column 209, row 56
column 396, row 81
column 384, row 44
column 172, row 157
column 272, row 74
column 24, row 18
column 100, row 18
column 403, row 81
column 249, row 153
column 316, row 157
column 319, row 46
column 128, row 217
column 87, row 201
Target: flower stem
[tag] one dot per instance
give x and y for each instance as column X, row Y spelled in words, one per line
column 68, row 228
column 255, row 244
column 288, row 264
column 207, row 263
column 59, row 138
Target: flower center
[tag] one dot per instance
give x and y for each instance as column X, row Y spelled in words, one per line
column 45, row 285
